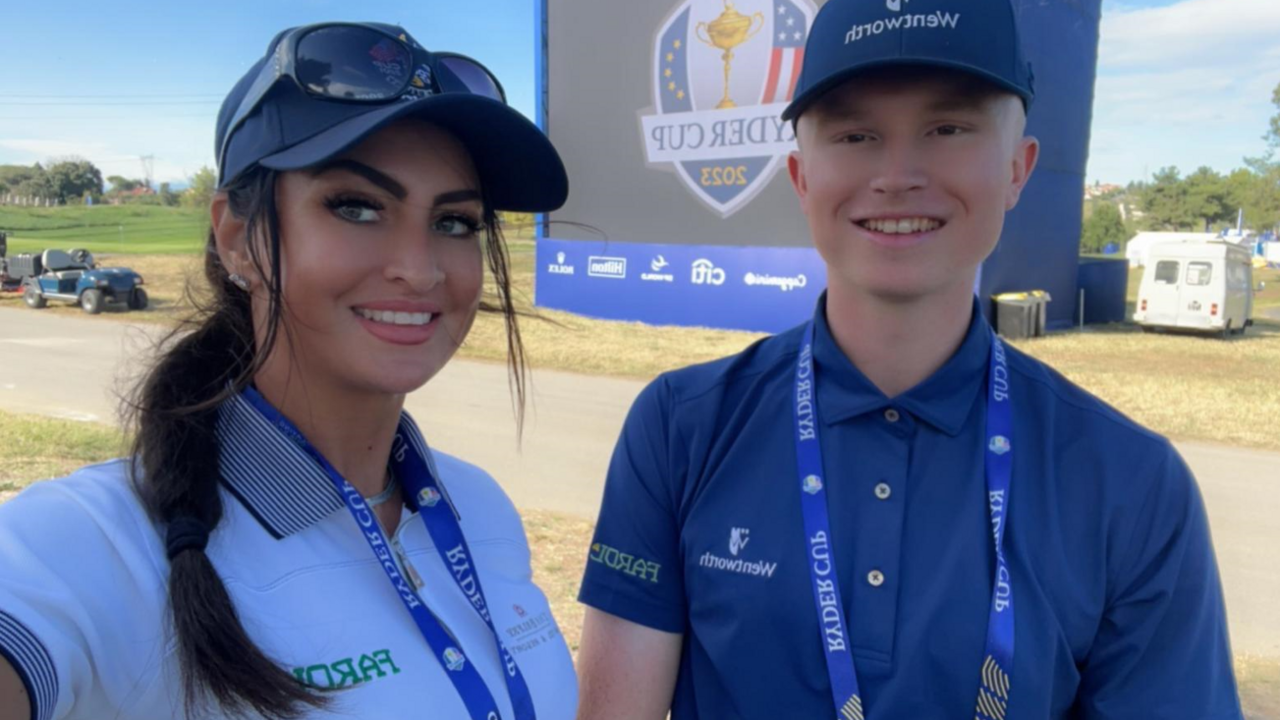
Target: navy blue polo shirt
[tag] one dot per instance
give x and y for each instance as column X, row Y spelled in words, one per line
column 1119, row 609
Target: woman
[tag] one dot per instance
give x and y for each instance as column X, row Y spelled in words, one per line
column 283, row 543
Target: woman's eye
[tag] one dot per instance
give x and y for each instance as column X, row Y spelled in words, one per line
column 355, row 210
column 458, row 226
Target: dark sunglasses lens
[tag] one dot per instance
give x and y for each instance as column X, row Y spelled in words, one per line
column 476, row 78
column 353, row 63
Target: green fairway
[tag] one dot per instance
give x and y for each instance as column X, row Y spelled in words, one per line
column 102, row 229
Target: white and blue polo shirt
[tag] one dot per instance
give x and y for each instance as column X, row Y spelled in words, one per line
column 83, row 590
column 1119, row 607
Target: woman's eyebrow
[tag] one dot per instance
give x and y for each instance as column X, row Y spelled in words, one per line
column 457, row 196
column 377, row 177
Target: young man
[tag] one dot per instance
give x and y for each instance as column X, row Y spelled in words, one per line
column 886, row 513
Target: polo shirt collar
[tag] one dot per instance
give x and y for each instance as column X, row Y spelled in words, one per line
column 278, row 482
column 943, row 400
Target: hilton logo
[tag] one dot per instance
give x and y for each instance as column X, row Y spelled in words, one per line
column 607, row 267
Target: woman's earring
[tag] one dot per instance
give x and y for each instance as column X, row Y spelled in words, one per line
column 239, row 281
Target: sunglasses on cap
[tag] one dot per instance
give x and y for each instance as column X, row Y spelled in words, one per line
column 348, row 62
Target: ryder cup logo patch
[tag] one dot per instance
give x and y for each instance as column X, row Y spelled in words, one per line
column 429, row 497
column 722, row 74
column 999, row 445
column 813, row 485
column 454, row 660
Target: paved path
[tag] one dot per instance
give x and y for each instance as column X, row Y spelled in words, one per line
column 74, row 367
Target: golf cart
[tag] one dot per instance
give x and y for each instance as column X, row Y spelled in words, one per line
column 8, row 283
column 73, row 276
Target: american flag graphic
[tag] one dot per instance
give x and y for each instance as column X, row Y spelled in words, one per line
column 790, row 30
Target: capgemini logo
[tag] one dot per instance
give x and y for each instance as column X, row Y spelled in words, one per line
column 895, row 5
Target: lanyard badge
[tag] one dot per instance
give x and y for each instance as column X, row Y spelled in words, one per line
column 424, row 494
column 837, row 644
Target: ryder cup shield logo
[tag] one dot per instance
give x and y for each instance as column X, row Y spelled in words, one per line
column 723, row 72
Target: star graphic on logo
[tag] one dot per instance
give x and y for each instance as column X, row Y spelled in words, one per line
column 799, row 35
column 671, row 57
column 666, row 73
column 676, row 44
column 782, row 36
column 680, row 95
column 782, row 9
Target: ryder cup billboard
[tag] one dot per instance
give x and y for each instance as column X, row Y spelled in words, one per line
column 667, row 114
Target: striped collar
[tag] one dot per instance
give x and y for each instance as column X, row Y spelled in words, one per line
column 278, row 482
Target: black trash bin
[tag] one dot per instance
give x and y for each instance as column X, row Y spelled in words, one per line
column 1016, row 316
column 1021, row 314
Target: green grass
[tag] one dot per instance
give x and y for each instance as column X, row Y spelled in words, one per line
column 38, row 447
column 115, row 229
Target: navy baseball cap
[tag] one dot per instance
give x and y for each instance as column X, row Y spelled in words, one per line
column 291, row 128
column 979, row 37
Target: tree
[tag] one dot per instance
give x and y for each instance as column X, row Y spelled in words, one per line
column 1273, row 132
column 1206, row 198
column 1164, row 200
column 1256, row 191
column 1103, row 228
column 167, row 196
column 121, row 185
column 11, row 176
column 36, row 186
column 73, row 177
column 202, row 186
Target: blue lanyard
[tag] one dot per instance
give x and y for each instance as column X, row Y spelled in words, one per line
column 424, row 495
column 993, row 692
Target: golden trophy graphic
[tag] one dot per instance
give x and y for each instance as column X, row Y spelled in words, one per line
column 727, row 32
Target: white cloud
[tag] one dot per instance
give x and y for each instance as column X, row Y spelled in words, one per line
column 1187, row 84
column 1190, row 33
column 116, row 149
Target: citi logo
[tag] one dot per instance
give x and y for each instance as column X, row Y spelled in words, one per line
column 706, row 273
column 738, row 538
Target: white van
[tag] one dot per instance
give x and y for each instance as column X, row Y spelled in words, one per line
column 1196, row 285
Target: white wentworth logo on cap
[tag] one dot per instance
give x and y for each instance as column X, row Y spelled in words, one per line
column 936, row 19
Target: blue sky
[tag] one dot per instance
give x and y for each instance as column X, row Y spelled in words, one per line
column 1180, row 82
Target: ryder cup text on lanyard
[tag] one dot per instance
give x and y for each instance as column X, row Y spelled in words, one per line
column 994, row 677
column 423, row 494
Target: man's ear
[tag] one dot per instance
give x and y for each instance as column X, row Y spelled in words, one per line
column 795, row 169
column 1024, row 163
column 230, row 238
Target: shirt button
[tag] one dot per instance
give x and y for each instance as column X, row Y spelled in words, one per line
column 875, row 578
column 891, row 415
column 883, row 491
